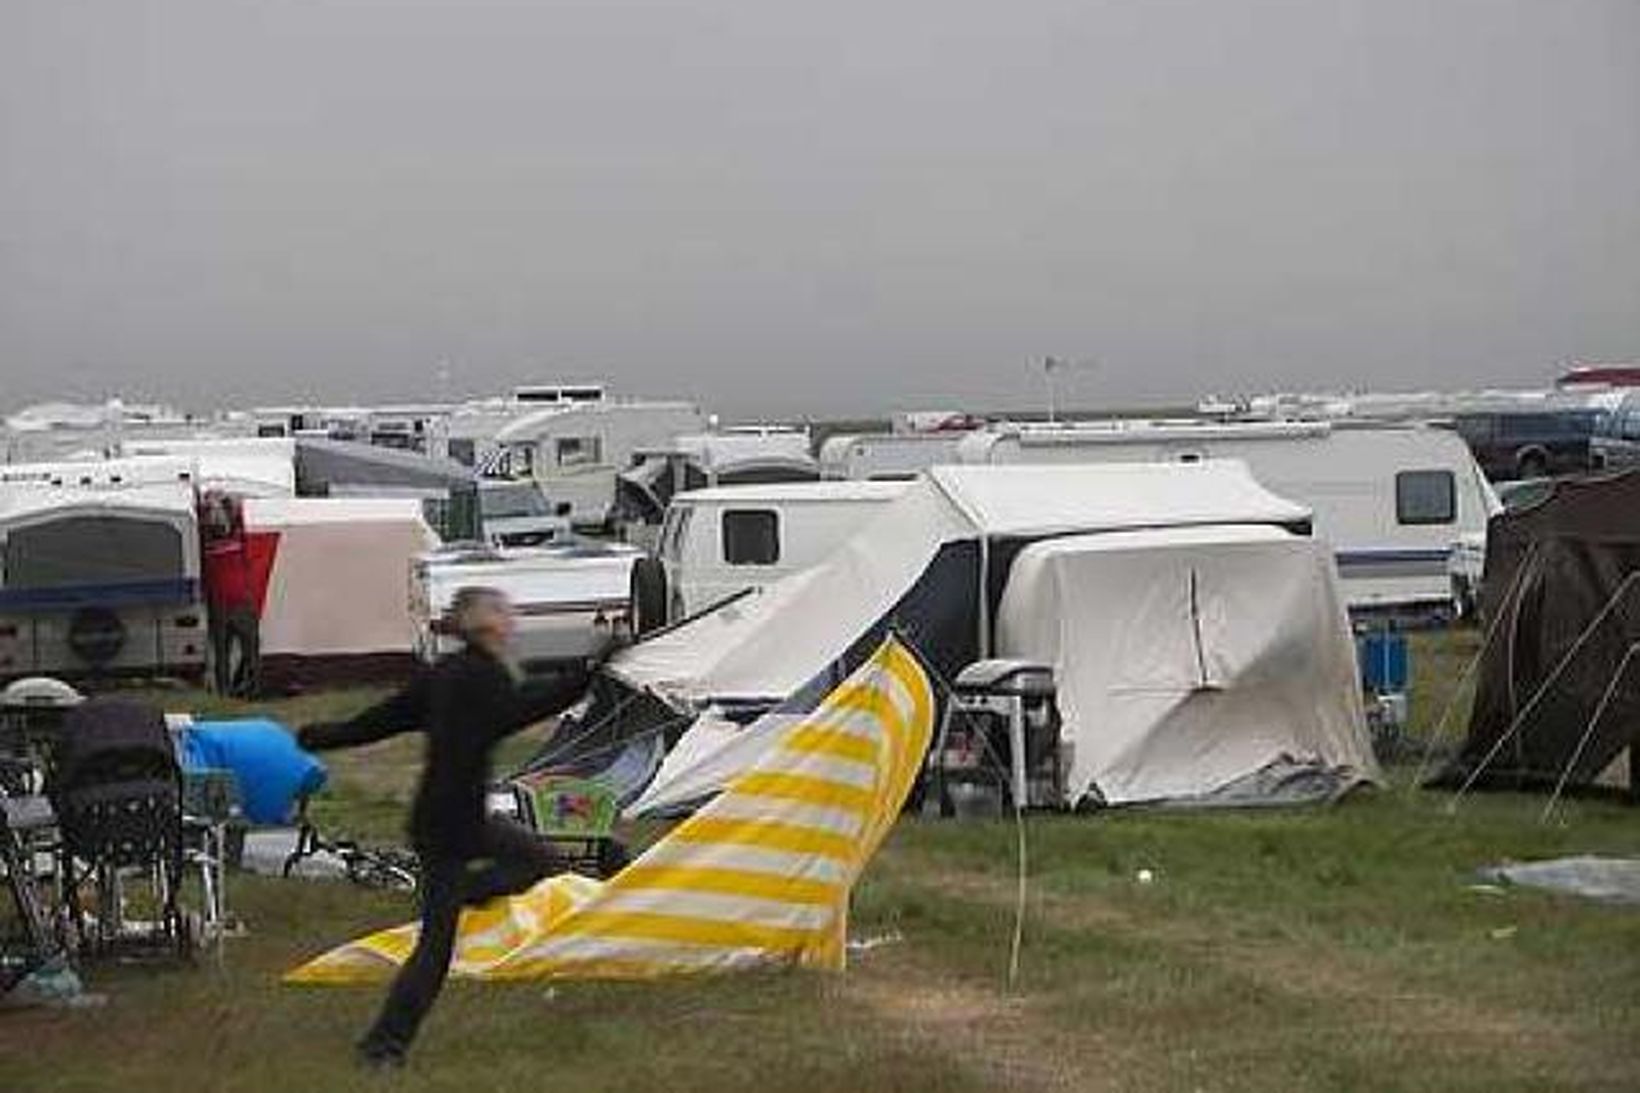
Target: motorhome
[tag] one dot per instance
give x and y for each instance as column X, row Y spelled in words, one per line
column 575, row 448
column 100, row 579
column 1392, row 500
column 718, row 542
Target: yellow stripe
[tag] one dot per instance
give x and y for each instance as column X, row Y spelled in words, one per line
column 802, row 787
column 736, row 882
column 815, row 740
column 653, row 926
column 769, row 834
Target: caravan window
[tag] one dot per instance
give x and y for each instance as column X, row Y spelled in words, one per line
column 463, row 450
column 577, row 451
column 751, row 537
column 93, row 550
column 1426, row 497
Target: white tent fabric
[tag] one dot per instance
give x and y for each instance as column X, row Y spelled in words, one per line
column 1189, row 658
column 340, row 577
column 706, row 758
column 767, row 645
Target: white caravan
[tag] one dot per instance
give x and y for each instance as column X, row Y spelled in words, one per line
column 574, row 450
column 717, row 542
column 102, row 579
column 1393, row 501
column 886, row 456
column 1197, row 639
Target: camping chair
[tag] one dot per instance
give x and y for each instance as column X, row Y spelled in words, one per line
column 576, row 814
column 28, row 829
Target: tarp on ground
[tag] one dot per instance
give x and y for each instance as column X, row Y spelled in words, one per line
column 1559, row 681
column 761, row 876
column 1189, row 659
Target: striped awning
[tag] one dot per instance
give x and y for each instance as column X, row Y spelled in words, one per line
column 760, row 876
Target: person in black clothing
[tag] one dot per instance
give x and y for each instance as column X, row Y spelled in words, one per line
column 465, row 703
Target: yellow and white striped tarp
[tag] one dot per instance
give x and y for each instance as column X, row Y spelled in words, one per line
column 759, row 876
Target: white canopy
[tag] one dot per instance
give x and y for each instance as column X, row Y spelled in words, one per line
column 1191, row 658
column 767, row 645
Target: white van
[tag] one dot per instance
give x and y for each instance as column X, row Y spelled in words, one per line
column 574, row 450
column 1392, row 500
column 717, row 542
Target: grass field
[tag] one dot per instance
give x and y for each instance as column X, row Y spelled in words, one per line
column 1346, row 948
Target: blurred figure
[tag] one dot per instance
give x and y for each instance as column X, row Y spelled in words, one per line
column 465, row 703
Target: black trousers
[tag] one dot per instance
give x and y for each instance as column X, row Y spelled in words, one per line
column 514, row 860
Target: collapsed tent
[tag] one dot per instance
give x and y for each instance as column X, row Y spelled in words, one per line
column 1558, row 696
column 761, row 876
column 938, row 569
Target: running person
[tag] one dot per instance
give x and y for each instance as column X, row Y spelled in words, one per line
column 465, row 703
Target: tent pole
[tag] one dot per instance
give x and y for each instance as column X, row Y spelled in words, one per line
column 1543, row 689
column 1588, row 731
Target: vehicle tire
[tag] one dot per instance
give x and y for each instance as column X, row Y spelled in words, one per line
column 238, row 655
column 1534, row 465
column 648, row 592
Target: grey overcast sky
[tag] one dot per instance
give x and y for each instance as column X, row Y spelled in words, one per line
column 823, row 207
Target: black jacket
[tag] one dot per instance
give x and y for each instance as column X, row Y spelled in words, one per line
column 465, row 703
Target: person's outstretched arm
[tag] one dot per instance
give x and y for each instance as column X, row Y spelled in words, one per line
column 540, row 697
column 401, row 712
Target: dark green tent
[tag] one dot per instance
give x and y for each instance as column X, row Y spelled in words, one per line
column 1558, row 695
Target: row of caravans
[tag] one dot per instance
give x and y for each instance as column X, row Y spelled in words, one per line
column 1395, row 502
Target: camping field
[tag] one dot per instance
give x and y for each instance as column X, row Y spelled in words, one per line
column 1346, row 948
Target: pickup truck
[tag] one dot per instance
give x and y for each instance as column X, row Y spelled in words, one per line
column 1535, row 444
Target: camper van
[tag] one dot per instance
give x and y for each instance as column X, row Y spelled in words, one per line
column 717, row 542
column 1392, row 500
column 100, row 580
column 574, row 450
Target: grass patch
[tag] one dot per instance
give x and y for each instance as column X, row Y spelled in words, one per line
column 1343, row 948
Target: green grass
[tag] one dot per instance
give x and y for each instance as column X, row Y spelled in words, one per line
column 1347, row 948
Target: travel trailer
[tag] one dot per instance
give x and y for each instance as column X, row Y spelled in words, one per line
column 886, row 456
column 100, row 579
column 718, row 542
column 1391, row 500
column 62, row 430
column 574, row 449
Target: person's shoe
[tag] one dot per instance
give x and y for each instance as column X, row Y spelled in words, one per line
column 380, row 1057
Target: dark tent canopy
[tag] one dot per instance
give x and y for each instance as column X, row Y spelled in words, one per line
column 1559, row 683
